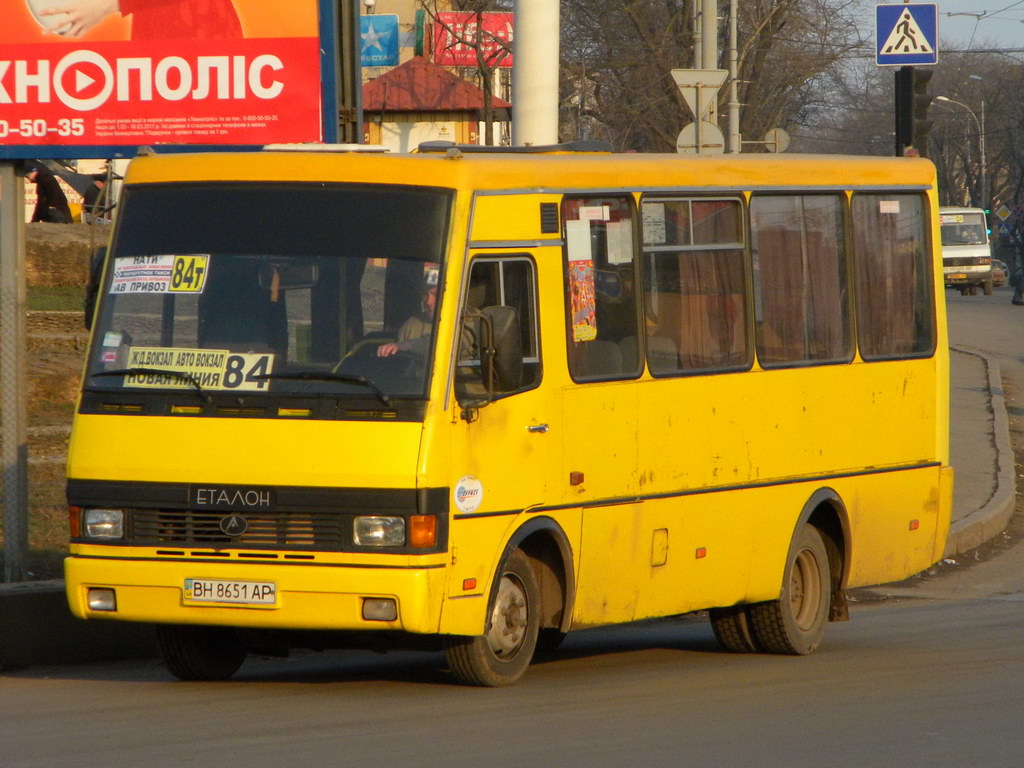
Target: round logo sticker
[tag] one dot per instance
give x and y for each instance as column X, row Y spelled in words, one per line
column 469, row 492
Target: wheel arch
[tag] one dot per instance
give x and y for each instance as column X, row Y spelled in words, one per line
column 826, row 511
column 545, row 543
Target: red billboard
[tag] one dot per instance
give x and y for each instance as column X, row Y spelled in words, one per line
column 79, row 73
column 457, row 35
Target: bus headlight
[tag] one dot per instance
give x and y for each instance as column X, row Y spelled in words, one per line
column 103, row 523
column 379, row 531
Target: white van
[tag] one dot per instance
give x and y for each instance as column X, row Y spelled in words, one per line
column 966, row 252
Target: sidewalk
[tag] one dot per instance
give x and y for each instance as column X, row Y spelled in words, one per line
column 981, row 454
column 37, row 628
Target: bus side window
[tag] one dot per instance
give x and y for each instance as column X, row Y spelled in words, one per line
column 800, row 293
column 508, row 281
column 694, row 285
column 603, row 316
column 895, row 305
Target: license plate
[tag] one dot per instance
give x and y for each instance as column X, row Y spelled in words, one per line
column 960, row 276
column 220, row 591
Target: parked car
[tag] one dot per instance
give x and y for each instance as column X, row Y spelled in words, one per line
column 1000, row 272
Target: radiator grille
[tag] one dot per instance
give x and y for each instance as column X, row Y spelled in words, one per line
column 303, row 530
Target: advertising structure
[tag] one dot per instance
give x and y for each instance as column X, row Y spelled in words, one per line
column 379, row 37
column 457, row 35
column 79, row 74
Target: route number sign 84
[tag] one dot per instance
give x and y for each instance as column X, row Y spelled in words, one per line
column 188, row 275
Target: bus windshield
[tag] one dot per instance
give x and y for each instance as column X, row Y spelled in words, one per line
column 963, row 229
column 276, row 288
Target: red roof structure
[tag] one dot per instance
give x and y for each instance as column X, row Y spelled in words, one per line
column 422, row 86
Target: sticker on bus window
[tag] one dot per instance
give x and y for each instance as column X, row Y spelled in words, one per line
column 207, row 368
column 595, row 213
column 619, row 235
column 577, row 241
column 653, row 220
column 951, row 218
column 167, row 273
column 888, row 206
column 582, row 301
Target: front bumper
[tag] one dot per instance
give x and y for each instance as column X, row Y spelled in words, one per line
column 326, row 596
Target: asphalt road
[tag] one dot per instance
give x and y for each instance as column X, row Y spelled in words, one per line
column 929, row 672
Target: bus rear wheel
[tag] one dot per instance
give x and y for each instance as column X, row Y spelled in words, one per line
column 200, row 653
column 733, row 630
column 502, row 655
column 795, row 623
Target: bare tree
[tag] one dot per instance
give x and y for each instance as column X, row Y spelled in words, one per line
column 489, row 50
column 620, row 53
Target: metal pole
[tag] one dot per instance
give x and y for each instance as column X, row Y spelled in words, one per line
column 984, row 166
column 535, row 73
column 13, row 419
column 735, row 137
column 709, row 49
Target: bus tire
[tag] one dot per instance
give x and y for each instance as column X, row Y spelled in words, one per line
column 986, row 287
column 200, row 653
column 501, row 656
column 795, row 623
column 973, row 290
column 732, row 628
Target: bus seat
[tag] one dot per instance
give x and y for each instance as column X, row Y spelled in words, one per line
column 599, row 358
column 662, row 354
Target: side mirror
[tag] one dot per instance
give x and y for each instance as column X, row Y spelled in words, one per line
column 492, row 347
column 92, row 287
column 506, row 369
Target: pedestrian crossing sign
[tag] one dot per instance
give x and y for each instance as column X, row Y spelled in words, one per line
column 906, row 34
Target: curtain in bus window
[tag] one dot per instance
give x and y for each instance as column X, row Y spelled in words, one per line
column 694, row 285
column 799, row 273
column 895, row 316
column 600, row 274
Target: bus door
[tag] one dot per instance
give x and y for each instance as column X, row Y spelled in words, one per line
column 505, row 450
column 600, row 442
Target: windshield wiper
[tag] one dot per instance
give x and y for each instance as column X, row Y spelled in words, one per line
column 325, row 376
column 140, row 371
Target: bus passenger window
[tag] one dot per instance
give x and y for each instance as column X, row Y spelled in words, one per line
column 694, row 285
column 895, row 314
column 603, row 318
column 800, row 296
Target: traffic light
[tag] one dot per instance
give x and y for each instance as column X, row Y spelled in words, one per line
column 912, row 101
column 921, row 99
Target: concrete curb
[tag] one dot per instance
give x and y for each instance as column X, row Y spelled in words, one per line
column 986, row 523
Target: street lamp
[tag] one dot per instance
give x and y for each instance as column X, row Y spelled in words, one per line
column 981, row 139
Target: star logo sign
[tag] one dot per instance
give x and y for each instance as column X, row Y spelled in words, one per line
column 372, row 38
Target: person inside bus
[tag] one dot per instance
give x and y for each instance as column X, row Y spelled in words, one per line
column 414, row 334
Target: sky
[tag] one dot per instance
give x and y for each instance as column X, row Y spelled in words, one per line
column 987, row 21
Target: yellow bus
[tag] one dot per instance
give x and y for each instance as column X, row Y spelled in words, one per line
column 471, row 401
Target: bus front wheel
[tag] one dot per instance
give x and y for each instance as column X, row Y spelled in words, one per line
column 200, row 653
column 795, row 623
column 501, row 656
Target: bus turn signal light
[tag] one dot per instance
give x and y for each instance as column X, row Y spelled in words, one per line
column 422, row 531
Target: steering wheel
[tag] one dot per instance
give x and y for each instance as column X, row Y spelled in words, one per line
column 363, row 349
